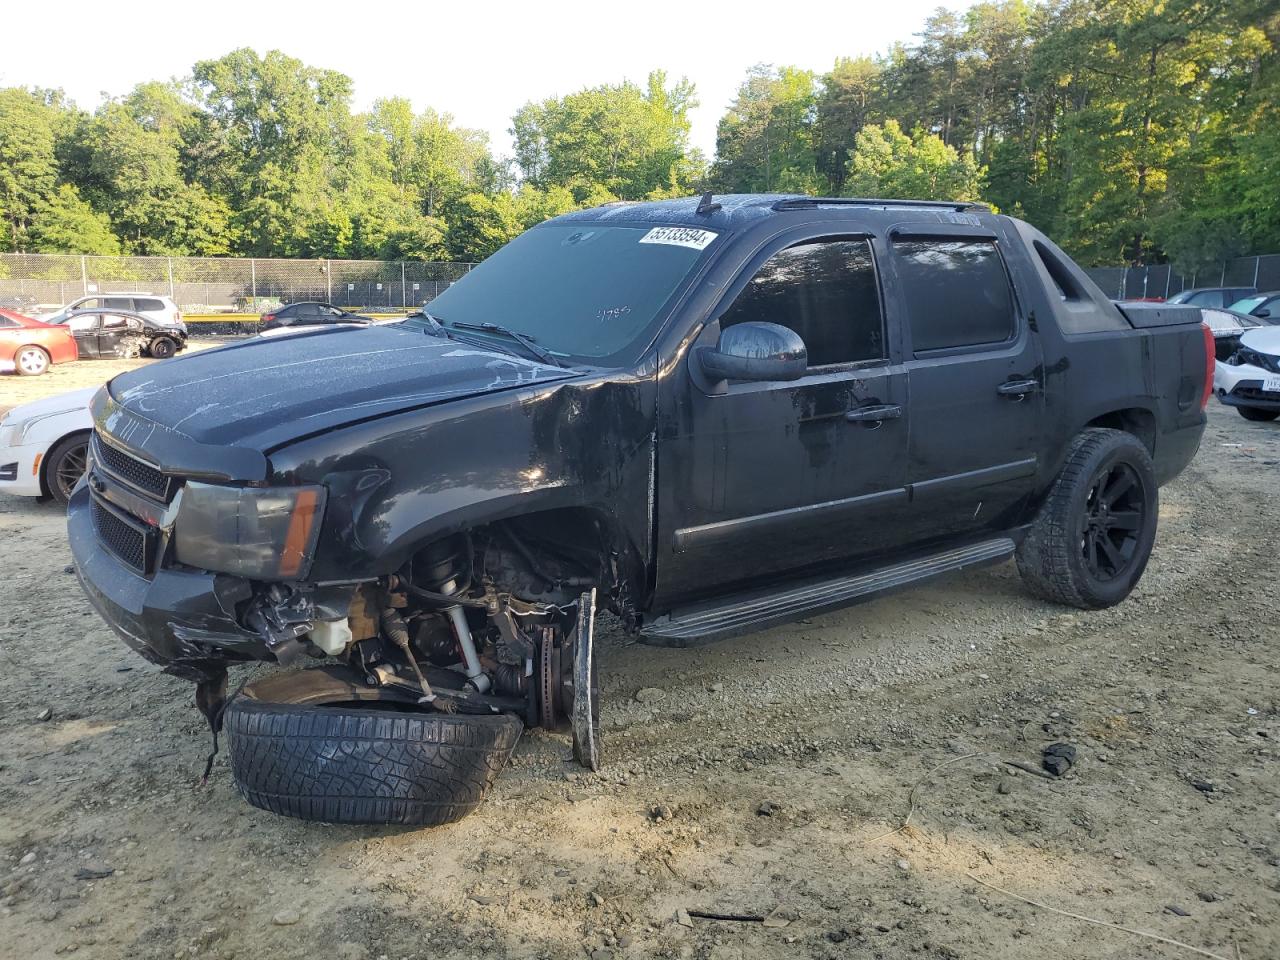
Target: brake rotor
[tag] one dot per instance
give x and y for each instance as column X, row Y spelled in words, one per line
column 585, row 712
column 548, row 680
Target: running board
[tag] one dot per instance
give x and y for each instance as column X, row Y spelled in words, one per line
column 746, row 613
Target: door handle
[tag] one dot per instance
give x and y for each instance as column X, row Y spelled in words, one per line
column 874, row 413
column 1017, row 388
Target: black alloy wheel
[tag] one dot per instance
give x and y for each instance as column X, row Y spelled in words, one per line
column 65, row 466
column 1113, row 520
column 1090, row 541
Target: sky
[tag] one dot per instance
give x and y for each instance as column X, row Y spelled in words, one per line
column 477, row 61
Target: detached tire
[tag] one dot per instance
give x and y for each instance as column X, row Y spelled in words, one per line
column 1090, row 543
column 319, row 745
column 1258, row 415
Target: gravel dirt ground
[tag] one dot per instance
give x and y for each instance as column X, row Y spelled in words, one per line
column 761, row 777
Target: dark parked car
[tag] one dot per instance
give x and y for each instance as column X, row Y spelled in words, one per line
column 101, row 334
column 712, row 416
column 1264, row 306
column 308, row 313
column 1211, row 296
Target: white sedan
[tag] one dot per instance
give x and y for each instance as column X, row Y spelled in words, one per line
column 1249, row 379
column 43, row 445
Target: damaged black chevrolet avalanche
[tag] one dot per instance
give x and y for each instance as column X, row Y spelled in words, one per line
column 707, row 415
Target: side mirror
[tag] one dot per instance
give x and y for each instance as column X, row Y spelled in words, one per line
column 1264, row 313
column 755, row 351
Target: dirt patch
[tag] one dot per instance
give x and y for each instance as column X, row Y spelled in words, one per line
column 762, row 781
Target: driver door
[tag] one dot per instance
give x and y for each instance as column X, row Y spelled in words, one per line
column 773, row 477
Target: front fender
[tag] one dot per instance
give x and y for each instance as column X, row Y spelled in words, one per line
column 396, row 483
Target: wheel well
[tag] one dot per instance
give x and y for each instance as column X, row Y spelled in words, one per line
column 44, row 460
column 1141, row 423
column 553, row 555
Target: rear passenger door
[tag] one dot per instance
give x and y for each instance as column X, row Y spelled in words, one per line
column 975, row 382
column 116, row 335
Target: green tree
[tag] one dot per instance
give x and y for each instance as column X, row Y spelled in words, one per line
column 628, row 140
column 284, row 124
column 848, row 101
column 130, row 167
column 64, row 223
column 887, row 163
column 30, row 123
column 765, row 143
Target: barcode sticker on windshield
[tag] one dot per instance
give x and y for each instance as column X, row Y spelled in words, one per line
column 680, row 237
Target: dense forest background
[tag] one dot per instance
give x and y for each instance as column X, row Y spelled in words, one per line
column 1132, row 131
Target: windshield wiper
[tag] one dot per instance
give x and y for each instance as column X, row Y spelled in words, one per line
column 542, row 353
column 434, row 326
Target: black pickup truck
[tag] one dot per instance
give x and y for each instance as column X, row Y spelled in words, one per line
column 708, row 415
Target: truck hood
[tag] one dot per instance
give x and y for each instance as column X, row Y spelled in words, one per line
column 265, row 392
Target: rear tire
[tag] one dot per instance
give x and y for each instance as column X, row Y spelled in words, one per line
column 162, row 348
column 30, row 361
column 1258, row 415
column 1090, row 543
column 310, row 745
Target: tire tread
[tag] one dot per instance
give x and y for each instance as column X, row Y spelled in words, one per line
column 1045, row 556
column 351, row 765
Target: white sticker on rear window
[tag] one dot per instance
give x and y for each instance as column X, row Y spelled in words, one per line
column 680, row 237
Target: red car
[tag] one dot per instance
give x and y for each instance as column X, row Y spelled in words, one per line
column 28, row 346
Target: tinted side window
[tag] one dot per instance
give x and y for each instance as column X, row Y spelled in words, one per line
column 146, row 303
column 956, row 291
column 826, row 292
column 118, row 303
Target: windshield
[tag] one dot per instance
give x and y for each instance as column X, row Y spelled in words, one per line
column 1246, row 305
column 576, row 289
column 1182, row 297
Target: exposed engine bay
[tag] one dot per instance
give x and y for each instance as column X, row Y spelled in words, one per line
column 497, row 620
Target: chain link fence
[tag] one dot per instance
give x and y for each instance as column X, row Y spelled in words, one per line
column 223, row 284
column 1162, row 281
column 210, row 285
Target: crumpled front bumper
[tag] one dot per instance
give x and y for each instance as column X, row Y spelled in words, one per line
column 185, row 621
column 1241, row 386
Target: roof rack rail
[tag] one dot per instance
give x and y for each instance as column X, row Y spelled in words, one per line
column 798, row 203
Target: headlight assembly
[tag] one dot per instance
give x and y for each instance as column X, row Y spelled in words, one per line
column 261, row 533
column 14, row 432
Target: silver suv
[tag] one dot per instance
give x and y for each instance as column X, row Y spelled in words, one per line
column 160, row 310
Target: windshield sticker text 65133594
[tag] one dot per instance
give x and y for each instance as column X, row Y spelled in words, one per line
column 680, row 237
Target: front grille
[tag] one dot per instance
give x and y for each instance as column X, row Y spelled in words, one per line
column 136, row 473
column 125, row 539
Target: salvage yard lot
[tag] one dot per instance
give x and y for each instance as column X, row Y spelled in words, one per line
column 760, row 776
